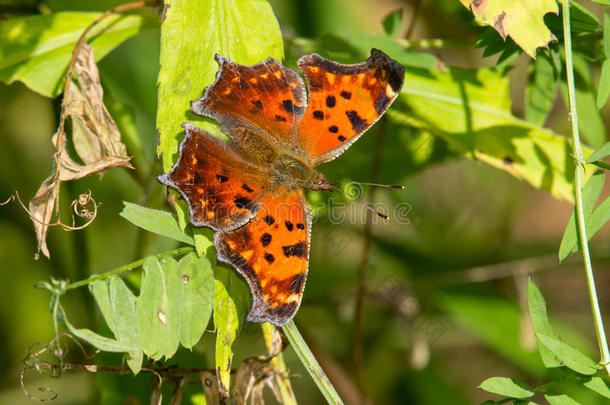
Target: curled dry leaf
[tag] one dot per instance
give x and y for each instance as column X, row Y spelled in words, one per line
column 96, row 139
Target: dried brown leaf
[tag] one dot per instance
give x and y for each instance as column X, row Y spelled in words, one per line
column 96, row 140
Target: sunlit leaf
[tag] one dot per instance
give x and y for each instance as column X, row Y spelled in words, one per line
column 36, row 49
column 125, row 318
column 160, row 307
column 245, row 31
column 231, row 302
column 572, row 358
column 198, row 281
column 159, row 222
column 599, row 154
column 540, row 322
column 508, row 387
column 593, row 220
column 522, row 20
column 471, row 111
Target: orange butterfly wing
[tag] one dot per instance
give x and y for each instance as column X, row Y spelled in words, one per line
column 264, row 97
column 344, row 101
column 272, row 253
column 222, row 190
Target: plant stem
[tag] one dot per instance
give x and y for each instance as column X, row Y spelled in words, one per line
column 580, row 216
column 282, row 375
column 127, row 267
column 311, row 364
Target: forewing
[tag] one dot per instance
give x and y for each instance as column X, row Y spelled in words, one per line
column 344, row 101
column 266, row 97
column 272, row 253
column 222, row 190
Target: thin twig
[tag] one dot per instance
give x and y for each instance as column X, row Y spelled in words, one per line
column 578, row 186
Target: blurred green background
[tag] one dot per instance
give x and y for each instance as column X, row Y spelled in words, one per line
column 446, row 304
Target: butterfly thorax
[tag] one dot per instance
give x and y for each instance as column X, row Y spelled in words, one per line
column 290, row 172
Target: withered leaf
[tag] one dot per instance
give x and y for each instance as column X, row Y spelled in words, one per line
column 96, row 139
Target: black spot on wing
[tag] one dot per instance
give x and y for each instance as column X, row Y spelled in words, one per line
column 245, row 187
column 341, row 138
column 269, row 257
column 258, row 104
column 298, row 249
column 221, row 178
column 300, row 226
column 266, row 239
column 333, row 129
column 289, row 225
column 319, row 115
column 288, row 106
column 356, row 120
column 331, row 101
column 280, row 118
column 269, row 220
column 346, row 95
column 243, row 202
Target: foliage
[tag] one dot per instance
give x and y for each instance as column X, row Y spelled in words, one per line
column 181, row 318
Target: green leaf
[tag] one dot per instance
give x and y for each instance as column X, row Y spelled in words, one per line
column 523, row 21
column 589, row 118
column 123, row 304
column 508, row 387
column 591, row 192
column 160, row 307
column 572, row 358
column 541, row 90
column 159, row 222
column 245, row 31
column 606, row 33
column 391, row 23
column 198, row 280
column 231, row 302
column 99, row 290
column 599, row 154
column 560, row 399
column 540, row 323
column 603, row 90
column 470, row 109
column 598, row 385
column 36, row 50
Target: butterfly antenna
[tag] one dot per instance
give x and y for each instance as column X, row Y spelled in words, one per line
column 354, row 197
column 374, row 184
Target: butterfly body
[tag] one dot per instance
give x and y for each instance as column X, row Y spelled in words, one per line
column 251, row 189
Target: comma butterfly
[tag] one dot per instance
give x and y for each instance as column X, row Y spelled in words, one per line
column 250, row 190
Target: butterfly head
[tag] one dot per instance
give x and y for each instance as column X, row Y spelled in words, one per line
column 318, row 182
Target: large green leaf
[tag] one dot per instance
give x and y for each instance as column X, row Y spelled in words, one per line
column 540, row 323
column 160, row 308
column 508, row 387
column 231, row 302
column 560, row 399
column 598, row 385
column 541, row 89
column 198, row 280
column 36, row 50
column 245, row 31
column 471, row 110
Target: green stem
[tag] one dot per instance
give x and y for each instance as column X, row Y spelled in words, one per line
column 311, row 364
column 127, row 267
column 580, row 215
